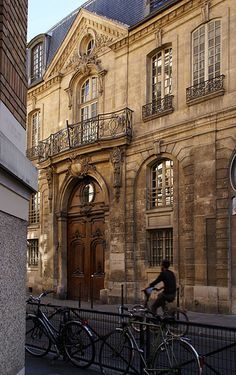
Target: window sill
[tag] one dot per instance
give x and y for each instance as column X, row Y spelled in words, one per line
column 158, row 114
column 159, row 209
column 32, row 268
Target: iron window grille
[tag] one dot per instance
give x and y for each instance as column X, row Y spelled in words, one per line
column 33, row 253
column 160, row 246
column 34, row 208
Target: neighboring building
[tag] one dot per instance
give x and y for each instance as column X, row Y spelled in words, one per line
column 131, row 123
column 18, row 179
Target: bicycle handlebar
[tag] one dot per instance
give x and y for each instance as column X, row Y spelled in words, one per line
column 38, row 299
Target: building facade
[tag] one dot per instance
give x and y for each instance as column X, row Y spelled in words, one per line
column 131, row 124
column 18, row 179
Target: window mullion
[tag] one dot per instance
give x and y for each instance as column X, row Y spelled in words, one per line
column 206, row 52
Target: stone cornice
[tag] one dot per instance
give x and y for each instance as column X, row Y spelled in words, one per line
column 159, row 22
column 32, row 92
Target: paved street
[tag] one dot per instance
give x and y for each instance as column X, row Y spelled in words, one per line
column 48, row 366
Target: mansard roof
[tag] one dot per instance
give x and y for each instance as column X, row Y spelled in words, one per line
column 127, row 12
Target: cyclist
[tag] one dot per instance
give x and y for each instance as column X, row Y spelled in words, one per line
column 167, row 277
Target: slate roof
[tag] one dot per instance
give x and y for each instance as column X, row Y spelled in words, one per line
column 128, row 12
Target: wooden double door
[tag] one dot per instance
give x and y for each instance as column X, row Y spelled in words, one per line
column 86, row 245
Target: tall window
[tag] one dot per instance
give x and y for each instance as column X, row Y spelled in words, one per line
column 35, row 129
column 160, row 246
column 206, row 52
column 162, row 74
column 37, row 62
column 34, row 206
column 88, row 109
column 33, row 253
column 161, row 184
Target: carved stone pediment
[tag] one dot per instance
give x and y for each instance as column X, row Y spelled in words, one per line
column 70, row 52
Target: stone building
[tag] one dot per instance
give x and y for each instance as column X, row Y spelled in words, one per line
column 131, row 124
column 18, row 179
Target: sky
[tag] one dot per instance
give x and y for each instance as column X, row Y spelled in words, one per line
column 44, row 14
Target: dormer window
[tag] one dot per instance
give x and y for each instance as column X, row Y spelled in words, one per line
column 37, row 62
column 36, row 58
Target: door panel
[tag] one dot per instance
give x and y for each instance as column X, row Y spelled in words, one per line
column 85, row 257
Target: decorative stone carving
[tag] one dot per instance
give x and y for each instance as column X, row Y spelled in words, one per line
column 49, row 175
column 77, row 234
column 69, row 93
column 116, row 159
column 206, row 10
column 159, row 33
column 80, row 167
column 157, row 146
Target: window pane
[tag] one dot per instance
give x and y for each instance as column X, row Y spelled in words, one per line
column 34, row 208
column 162, row 74
column 35, row 126
column 37, row 61
column 206, row 52
column 161, row 192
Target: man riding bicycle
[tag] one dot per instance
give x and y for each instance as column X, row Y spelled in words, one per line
column 167, row 277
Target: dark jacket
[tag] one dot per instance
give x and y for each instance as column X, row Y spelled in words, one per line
column 169, row 281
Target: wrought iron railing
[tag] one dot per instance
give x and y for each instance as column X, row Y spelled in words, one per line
column 158, row 107
column 202, row 89
column 102, row 127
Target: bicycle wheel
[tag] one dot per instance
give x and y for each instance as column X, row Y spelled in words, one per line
column 177, row 327
column 37, row 342
column 116, row 352
column 78, row 344
column 175, row 356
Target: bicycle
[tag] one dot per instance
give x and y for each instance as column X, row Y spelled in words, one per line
column 165, row 355
column 176, row 326
column 72, row 338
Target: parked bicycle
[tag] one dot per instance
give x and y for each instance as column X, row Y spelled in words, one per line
column 163, row 355
column 71, row 338
column 176, row 326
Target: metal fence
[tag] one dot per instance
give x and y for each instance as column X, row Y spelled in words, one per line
column 216, row 345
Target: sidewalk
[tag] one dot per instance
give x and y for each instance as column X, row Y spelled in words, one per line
column 223, row 320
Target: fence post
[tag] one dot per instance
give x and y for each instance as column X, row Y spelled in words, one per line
column 122, row 298
column 91, row 291
column 79, row 295
column 178, row 297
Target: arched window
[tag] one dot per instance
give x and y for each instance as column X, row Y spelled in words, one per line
column 206, row 52
column 161, row 184
column 90, row 47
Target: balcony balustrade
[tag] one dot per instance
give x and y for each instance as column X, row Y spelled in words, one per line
column 103, row 127
column 212, row 87
column 158, row 107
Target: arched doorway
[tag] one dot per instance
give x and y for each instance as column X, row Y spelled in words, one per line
column 86, row 242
